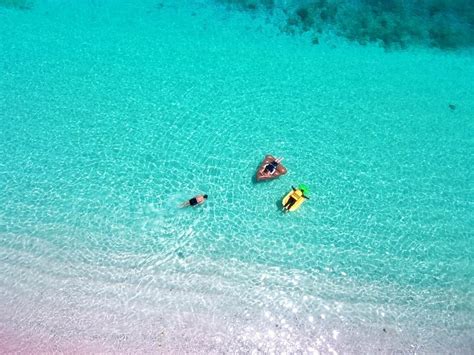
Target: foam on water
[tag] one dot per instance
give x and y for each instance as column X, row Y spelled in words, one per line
column 113, row 113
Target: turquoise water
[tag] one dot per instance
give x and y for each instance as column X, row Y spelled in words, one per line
column 393, row 24
column 113, row 113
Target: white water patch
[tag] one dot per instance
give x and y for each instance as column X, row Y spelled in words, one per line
column 133, row 301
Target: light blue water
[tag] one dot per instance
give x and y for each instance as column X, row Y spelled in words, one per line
column 114, row 113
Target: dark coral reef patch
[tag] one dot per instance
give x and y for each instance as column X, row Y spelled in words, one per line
column 445, row 24
column 19, row 4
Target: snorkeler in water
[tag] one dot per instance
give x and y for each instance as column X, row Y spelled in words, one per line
column 197, row 200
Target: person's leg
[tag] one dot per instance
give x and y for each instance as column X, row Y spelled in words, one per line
column 291, row 201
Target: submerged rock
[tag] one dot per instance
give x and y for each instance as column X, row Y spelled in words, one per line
column 394, row 24
column 19, row 4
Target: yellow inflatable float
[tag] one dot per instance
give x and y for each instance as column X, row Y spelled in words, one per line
column 293, row 200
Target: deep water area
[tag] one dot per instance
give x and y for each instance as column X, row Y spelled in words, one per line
column 445, row 24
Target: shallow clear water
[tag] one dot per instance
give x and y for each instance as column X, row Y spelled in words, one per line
column 114, row 113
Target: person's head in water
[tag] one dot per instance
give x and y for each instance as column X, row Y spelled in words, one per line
column 205, row 196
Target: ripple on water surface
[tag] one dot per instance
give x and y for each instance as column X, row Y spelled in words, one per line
column 110, row 121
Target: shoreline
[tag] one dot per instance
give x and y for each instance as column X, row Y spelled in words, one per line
column 175, row 311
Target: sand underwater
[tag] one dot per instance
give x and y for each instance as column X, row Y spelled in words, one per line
column 114, row 112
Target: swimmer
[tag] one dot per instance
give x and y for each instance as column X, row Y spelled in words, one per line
column 197, row 200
